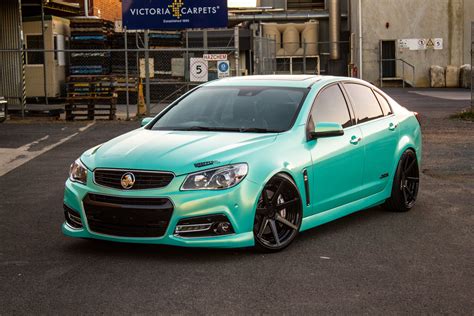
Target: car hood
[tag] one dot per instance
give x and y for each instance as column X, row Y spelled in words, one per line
column 175, row 151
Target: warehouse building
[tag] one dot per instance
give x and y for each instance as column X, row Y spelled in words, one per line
column 394, row 39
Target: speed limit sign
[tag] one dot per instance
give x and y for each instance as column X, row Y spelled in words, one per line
column 198, row 70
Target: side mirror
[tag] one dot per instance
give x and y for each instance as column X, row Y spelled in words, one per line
column 327, row 129
column 146, row 120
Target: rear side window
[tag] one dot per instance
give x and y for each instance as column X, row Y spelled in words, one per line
column 331, row 106
column 383, row 103
column 365, row 104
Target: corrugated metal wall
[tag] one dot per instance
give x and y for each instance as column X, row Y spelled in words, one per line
column 10, row 62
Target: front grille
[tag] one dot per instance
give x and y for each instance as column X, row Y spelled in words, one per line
column 143, row 179
column 127, row 217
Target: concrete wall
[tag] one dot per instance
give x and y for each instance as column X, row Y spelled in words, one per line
column 411, row 19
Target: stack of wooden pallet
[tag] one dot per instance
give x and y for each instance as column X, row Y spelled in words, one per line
column 90, row 34
column 90, row 88
column 91, row 96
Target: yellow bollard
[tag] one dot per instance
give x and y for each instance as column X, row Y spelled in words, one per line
column 141, row 100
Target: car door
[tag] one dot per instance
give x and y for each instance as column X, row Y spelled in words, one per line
column 338, row 161
column 379, row 135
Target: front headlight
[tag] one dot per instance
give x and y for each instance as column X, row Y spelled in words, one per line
column 216, row 179
column 78, row 172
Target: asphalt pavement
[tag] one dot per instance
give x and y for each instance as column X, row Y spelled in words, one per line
column 371, row 262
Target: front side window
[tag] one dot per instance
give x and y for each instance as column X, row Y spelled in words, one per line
column 365, row 104
column 244, row 109
column 330, row 106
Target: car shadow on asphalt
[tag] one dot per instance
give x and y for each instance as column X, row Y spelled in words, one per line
column 101, row 248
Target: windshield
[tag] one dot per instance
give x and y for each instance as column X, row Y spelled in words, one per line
column 242, row 109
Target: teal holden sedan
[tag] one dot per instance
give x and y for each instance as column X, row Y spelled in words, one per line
column 248, row 161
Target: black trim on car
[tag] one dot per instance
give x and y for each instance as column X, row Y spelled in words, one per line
column 306, row 186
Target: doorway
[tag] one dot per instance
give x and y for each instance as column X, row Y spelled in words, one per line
column 389, row 64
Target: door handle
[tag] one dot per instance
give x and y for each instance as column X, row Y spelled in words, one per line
column 392, row 126
column 355, row 140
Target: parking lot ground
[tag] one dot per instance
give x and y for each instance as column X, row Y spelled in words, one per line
column 371, row 262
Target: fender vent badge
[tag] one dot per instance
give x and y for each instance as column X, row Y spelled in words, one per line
column 205, row 163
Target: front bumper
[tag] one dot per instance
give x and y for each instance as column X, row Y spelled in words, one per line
column 237, row 204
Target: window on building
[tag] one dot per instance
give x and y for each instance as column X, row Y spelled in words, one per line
column 34, row 42
column 331, row 107
column 366, row 106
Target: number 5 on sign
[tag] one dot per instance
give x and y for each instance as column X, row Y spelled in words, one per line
column 198, row 70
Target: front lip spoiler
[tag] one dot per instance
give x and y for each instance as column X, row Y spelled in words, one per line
column 240, row 240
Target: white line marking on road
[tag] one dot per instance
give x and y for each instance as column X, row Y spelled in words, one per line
column 12, row 158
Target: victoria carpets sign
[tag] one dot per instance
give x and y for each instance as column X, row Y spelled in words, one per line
column 174, row 14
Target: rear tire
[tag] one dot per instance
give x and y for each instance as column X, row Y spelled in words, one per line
column 405, row 183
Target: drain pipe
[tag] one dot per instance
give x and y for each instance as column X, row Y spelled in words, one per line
column 86, row 8
column 334, row 29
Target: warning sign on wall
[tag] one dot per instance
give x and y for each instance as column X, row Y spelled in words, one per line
column 420, row 43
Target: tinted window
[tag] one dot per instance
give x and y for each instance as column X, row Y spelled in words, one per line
column 234, row 108
column 366, row 106
column 331, row 106
column 383, row 103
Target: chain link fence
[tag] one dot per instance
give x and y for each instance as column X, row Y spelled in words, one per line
column 264, row 56
column 94, row 72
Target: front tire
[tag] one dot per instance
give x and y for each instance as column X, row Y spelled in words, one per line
column 405, row 183
column 278, row 215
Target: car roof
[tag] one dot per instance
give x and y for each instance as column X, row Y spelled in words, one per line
column 292, row 81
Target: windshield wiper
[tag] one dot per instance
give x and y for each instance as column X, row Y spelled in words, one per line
column 197, row 128
column 258, row 130
column 227, row 129
column 209, row 128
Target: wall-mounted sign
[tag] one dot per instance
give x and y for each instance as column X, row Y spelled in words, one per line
column 151, row 68
column 420, row 43
column 173, row 14
column 438, row 43
column 223, row 69
column 212, row 57
column 198, row 70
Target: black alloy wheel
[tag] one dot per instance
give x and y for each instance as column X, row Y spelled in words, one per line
column 405, row 184
column 278, row 215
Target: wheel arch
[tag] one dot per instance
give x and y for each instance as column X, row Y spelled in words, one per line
column 406, row 142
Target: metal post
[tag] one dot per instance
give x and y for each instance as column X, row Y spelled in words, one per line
column 236, row 53
column 22, row 61
column 380, row 64
column 403, row 74
column 127, row 96
column 147, row 74
column 304, row 57
column 204, row 40
column 45, row 88
column 186, row 60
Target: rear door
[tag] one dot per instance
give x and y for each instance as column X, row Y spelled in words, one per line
column 379, row 135
column 337, row 161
